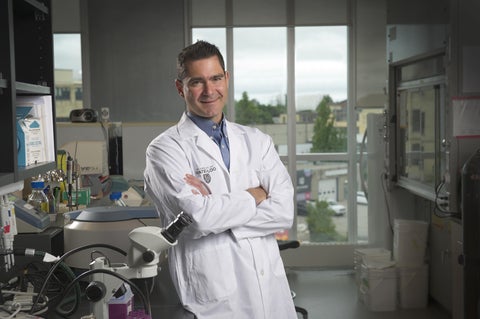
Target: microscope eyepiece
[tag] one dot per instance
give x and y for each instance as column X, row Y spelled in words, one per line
column 173, row 230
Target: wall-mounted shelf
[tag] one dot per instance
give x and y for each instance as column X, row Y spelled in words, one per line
column 26, row 72
column 27, row 88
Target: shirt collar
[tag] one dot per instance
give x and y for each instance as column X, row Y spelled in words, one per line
column 207, row 125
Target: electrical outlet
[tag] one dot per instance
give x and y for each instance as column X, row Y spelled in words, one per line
column 105, row 114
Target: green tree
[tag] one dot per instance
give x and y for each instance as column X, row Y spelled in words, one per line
column 245, row 110
column 250, row 111
column 327, row 137
column 320, row 223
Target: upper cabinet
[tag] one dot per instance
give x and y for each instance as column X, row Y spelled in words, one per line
column 27, row 124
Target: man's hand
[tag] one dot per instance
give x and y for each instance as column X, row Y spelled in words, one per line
column 200, row 187
column 258, row 193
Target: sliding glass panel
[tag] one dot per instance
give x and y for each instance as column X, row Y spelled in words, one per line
column 260, row 70
column 321, row 89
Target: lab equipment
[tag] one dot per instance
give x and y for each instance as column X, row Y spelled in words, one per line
column 8, row 231
column 90, row 155
column 106, row 224
column 69, row 180
column 146, row 245
column 52, row 203
column 29, row 219
column 37, row 198
column 115, row 149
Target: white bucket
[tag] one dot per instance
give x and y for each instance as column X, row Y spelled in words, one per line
column 413, row 287
column 378, row 288
column 409, row 242
column 363, row 255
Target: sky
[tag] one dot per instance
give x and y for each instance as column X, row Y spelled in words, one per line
column 68, row 53
column 260, row 66
column 260, row 62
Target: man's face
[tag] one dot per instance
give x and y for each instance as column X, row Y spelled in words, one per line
column 205, row 88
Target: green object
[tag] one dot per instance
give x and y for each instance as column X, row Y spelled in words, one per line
column 80, row 197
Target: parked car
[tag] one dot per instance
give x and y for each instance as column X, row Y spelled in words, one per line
column 361, row 198
column 339, row 209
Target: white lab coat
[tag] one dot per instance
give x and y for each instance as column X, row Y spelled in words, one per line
column 227, row 263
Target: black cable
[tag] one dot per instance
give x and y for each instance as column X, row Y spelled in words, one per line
column 71, row 276
column 36, row 280
column 383, row 176
column 62, row 258
column 148, row 305
column 110, row 272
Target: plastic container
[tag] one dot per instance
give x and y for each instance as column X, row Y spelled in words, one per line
column 52, row 207
column 378, row 288
column 116, row 199
column 37, row 198
column 409, row 242
column 120, row 307
column 362, row 255
column 413, row 287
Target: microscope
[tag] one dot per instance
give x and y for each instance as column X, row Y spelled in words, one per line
column 147, row 244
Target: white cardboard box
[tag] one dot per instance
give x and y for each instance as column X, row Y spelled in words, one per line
column 30, row 138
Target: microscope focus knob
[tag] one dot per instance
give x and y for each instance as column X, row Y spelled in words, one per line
column 95, row 291
column 148, row 256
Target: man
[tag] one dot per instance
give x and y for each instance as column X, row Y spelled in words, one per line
column 227, row 262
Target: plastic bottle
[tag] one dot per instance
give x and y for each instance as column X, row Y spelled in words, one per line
column 52, row 209
column 116, row 198
column 37, row 198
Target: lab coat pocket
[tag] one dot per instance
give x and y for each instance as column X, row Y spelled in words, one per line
column 212, row 275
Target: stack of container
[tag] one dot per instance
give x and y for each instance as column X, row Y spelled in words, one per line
column 361, row 255
column 409, row 253
column 376, row 278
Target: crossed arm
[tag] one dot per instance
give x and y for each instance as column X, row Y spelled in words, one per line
column 258, row 193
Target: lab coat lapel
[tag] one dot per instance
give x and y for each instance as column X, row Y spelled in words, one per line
column 236, row 145
column 187, row 129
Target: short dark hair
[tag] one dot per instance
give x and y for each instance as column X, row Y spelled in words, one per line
column 197, row 51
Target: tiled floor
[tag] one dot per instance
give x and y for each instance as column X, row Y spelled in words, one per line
column 332, row 294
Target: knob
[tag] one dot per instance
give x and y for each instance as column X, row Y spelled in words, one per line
column 95, row 291
column 148, row 256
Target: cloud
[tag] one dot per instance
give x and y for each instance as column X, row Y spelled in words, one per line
column 68, row 53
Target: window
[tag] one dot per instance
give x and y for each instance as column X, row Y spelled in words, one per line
column 318, row 65
column 68, row 74
column 260, row 94
column 62, row 93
